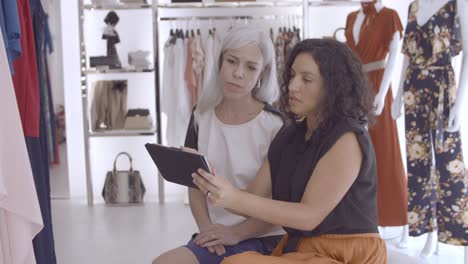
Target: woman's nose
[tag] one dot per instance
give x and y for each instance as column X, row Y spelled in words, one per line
column 238, row 72
column 293, row 84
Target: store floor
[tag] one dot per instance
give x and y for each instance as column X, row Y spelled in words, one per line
column 133, row 235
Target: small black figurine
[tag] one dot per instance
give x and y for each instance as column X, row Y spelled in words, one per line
column 112, row 37
column 112, row 58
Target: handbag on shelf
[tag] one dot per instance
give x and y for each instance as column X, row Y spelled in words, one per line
column 123, row 187
column 138, row 118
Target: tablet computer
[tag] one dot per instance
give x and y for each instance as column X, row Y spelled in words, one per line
column 177, row 165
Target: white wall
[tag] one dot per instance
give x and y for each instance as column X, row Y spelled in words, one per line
column 324, row 20
column 72, row 95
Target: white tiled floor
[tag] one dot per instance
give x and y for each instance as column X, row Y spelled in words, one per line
column 131, row 235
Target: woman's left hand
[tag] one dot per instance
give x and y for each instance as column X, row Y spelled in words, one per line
column 219, row 191
column 217, row 234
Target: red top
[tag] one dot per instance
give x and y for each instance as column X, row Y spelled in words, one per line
column 25, row 78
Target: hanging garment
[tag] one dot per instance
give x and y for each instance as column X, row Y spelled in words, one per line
column 38, row 148
column 198, row 62
column 109, row 105
column 10, row 28
column 175, row 101
column 117, row 93
column 43, row 43
column 280, row 57
column 373, row 46
column 213, row 44
column 167, row 78
column 167, row 69
column 52, row 138
column 216, row 42
column 179, row 119
column 99, row 104
column 429, row 93
column 20, row 215
column 43, row 243
column 190, row 74
column 25, row 79
column 209, row 54
column 292, row 40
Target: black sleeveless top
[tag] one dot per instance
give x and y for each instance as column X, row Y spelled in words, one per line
column 292, row 161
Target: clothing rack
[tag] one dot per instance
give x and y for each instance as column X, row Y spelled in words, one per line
column 232, row 4
column 185, row 18
column 279, row 5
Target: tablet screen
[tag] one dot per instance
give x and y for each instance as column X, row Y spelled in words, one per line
column 177, row 165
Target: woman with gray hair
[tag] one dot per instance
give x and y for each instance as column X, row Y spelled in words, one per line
column 233, row 125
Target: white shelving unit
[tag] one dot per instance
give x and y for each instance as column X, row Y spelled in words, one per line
column 86, row 71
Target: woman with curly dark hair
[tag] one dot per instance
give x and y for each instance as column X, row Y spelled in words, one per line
column 321, row 168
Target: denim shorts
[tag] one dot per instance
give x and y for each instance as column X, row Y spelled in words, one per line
column 262, row 245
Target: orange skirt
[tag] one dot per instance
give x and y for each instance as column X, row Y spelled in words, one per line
column 324, row 249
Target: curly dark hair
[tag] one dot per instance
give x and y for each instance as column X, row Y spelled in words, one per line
column 347, row 91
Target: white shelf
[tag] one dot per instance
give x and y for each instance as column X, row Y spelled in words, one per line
column 232, row 4
column 334, row 2
column 123, row 133
column 129, row 6
column 123, row 70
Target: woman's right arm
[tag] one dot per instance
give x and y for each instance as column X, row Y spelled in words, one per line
column 197, row 199
column 199, row 208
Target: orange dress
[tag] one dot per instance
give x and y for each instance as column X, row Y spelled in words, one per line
column 373, row 45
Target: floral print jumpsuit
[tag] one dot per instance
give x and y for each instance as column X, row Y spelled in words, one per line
column 437, row 198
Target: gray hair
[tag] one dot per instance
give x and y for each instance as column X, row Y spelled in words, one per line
column 237, row 37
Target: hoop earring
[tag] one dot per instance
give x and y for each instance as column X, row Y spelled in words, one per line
column 256, row 88
column 259, row 84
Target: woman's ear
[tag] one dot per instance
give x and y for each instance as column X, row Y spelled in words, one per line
column 262, row 73
column 260, row 77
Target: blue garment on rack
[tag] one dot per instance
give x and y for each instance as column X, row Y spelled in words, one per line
column 48, row 36
column 42, row 42
column 43, row 243
column 10, row 27
column 48, row 47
